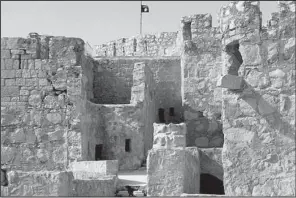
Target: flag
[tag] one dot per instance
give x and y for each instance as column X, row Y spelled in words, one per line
column 144, row 8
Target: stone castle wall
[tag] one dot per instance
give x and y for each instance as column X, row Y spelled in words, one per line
column 41, row 98
column 259, row 115
column 163, row 44
column 201, row 67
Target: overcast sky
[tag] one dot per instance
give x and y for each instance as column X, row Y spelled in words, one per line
column 101, row 21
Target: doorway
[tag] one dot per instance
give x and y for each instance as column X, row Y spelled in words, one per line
column 99, row 152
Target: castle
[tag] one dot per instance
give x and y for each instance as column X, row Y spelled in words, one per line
column 205, row 100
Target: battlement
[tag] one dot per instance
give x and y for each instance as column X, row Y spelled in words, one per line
column 161, row 44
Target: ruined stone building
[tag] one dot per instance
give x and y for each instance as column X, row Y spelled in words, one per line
column 196, row 105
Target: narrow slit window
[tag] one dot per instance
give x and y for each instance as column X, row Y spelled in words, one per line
column 128, row 145
column 135, row 45
column 161, row 115
column 172, row 111
column 114, row 49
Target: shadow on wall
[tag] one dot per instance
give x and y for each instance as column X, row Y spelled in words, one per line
column 111, row 89
column 268, row 112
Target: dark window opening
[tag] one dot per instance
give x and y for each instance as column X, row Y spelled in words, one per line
column 123, row 51
column 135, row 45
column 146, row 46
column 114, row 49
column 161, row 115
column 172, row 111
column 210, row 184
column 187, row 31
column 164, row 51
column 4, row 181
column 20, row 62
column 105, row 53
column 128, row 145
column 232, row 50
column 99, row 152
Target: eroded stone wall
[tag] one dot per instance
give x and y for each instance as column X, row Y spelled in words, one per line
column 162, row 44
column 259, row 115
column 41, row 102
column 201, row 67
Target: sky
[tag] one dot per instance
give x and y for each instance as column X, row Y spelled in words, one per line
column 98, row 22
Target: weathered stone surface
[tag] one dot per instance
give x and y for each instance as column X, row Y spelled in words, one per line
column 169, row 136
column 105, row 167
column 167, row 172
column 101, row 187
column 40, row 183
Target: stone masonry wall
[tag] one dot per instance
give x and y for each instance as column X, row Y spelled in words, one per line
column 41, row 82
column 112, row 124
column 259, row 116
column 113, row 81
column 162, row 44
column 201, row 67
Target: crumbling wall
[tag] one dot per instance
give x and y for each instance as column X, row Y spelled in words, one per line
column 259, row 110
column 162, row 44
column 41, row 98
column 201, row 67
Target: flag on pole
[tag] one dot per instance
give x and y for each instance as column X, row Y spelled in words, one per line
column 144, row 8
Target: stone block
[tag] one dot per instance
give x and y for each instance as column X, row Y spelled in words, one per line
column 172, row 172
column 7, row 73
column 45, row 183
column 104, row 167
column 169, row 136
column 101, row 187
column 231, row 82
column 10, row 91
column 5, row 54
column 17, row 51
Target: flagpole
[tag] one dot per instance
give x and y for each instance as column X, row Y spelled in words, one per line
column 141, row 20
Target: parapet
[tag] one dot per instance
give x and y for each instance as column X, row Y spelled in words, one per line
column 161, row 44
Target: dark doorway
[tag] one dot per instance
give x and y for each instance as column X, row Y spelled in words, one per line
column 161, row 115
column 210, row 184
column 128, row 145
column 99, row 152
column 4, row 181
column 172, row 111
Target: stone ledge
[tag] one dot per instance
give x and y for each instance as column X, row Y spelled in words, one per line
column 230, row 82
column 104, row 167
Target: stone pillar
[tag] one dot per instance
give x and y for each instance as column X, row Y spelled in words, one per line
column 172, row 169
